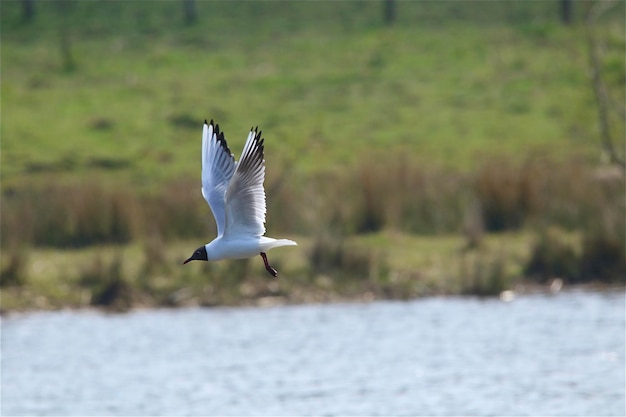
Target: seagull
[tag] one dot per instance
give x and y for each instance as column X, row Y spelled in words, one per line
column 235, row 193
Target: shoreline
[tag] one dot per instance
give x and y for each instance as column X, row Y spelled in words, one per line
column 521, row 290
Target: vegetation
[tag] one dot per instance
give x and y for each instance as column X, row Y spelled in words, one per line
column 455, row 150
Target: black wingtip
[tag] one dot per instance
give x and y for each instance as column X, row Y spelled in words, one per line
column 221, row 140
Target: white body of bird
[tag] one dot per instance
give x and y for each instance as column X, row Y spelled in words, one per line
column 221, row 248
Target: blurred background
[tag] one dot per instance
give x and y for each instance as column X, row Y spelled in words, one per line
column 413, row 148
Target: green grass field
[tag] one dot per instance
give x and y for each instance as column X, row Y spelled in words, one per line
column 451, row 84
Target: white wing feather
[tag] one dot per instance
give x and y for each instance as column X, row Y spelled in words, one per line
column 245, row 196
column 218, row 167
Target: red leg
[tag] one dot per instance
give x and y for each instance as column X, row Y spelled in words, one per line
column 269, row 269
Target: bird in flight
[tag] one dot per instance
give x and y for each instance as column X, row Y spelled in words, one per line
column 235, row 193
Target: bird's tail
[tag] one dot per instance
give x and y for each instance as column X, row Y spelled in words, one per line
column 277, row 243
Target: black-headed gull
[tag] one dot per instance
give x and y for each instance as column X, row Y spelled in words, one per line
column 234, row 191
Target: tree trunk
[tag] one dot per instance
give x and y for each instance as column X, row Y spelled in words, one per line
column 67, row 57
column 28, row 10
column 566, row 11
column 389, row 11
column 189, row 9
column 599, row 88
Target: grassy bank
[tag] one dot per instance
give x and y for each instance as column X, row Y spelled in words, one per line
column 385, row 229
column 382, row 265
column 374, row 266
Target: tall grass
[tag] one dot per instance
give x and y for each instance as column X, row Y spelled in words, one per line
column 553, row 256
column 396, row 192
column 88, row 213
column 14, row 273
column 484, row 275
column 375, row 194
column 348, row 221
column 105, row 281
column 603, row 254
column 74, row 215
column 390, row 192
column 378, row 193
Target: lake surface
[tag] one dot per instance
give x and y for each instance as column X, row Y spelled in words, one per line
column 536, row 355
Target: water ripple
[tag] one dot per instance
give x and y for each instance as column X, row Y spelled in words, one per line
column 536, row 355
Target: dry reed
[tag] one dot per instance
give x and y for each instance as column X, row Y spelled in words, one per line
column 380, row 192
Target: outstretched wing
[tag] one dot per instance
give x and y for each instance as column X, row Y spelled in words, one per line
column 245, row 196
column 218, row 167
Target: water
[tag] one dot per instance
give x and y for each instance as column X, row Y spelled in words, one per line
column 537, row 355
